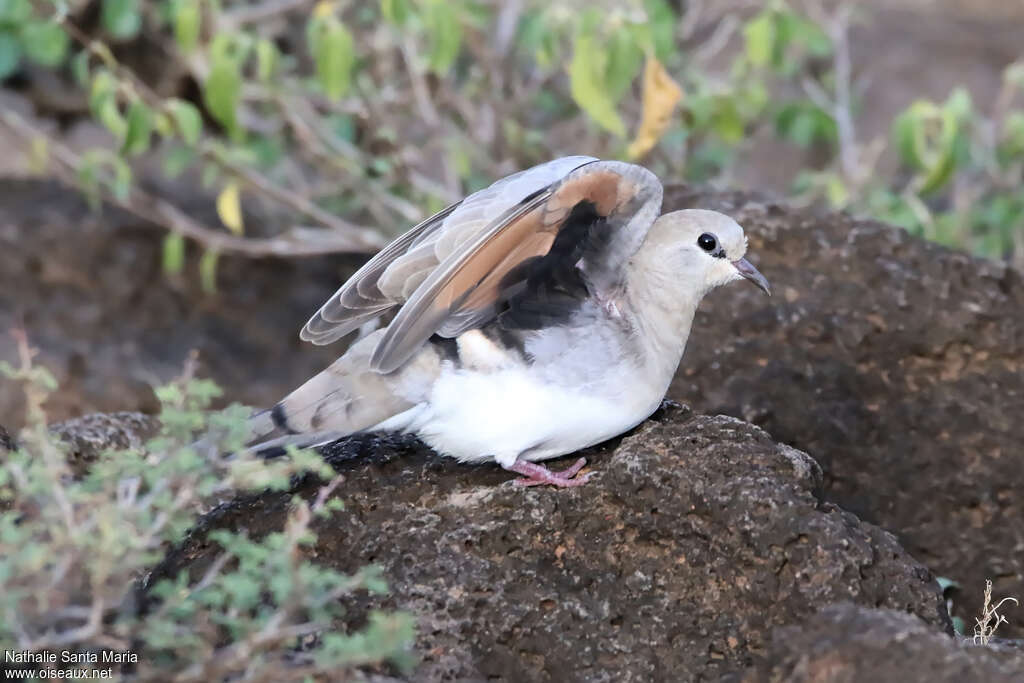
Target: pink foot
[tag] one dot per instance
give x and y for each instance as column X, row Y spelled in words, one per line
column 538, row 475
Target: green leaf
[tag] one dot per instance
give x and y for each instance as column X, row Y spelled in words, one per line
column 80, row 68
column 233, row 47
column 88, row 181
column 1012, row 143
column 140, row 128
column 442, row 23
column 103, row 104
column 908, row 134
column 759, row 38
column 221, row 93
column 395, row 11
column 121, row 18
column 45, row 42
column 805, row 123
column 10, row 53
column 122, row 185
column 661, row 21
column 187, row 120
column 208, row 270
column 949, row 148
column 333, row 52
column 14, row 12
column 187, row 23
column 586, row 83
column 103, row 86
column 109, row 114
column 624, row 57
column 959, row 104
column 267, row 58
column 726, row 120
column 173, row 253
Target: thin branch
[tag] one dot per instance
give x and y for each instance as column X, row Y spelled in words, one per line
column 839, row 31
column 366, row 238
column 325, row 493
column 419, row 84
column 295, row 242
column 252, row 14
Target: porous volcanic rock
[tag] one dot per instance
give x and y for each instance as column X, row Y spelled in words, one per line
column 88, row 436
column 896, row 363
column 696, row 537
column 845, row 643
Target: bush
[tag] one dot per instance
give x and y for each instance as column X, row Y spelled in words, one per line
column 75, row 552
column 384, row 112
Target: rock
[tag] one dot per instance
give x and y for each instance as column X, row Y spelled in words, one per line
column 88, row 436
column 854, row 644
column 898, row 364
column 696, row 537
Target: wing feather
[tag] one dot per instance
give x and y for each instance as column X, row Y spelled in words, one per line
column 469, row 285
column 379, row 287
column 457, row 269
column 360, row 300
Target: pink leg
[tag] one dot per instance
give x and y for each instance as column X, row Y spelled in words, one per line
column 538, row 475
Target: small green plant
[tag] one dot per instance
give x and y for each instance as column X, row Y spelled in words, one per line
column 73, row 551
column 23, row 35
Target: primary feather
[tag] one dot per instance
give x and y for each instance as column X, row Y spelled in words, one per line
column 391, row 277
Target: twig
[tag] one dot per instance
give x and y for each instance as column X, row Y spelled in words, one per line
column 325, row 493
column 419, row 84
column 295, row 242
column 252, row 14
column 839, row 30
column 365, row 238
column 839, row 104
column 725, row 30
column 985, row 626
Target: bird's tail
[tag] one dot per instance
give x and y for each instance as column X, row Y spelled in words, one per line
column 346, row 398
column 268, row 439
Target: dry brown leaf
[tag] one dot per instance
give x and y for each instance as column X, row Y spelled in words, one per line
column 661, row 95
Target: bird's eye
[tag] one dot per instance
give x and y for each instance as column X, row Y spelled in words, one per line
column 707, row 242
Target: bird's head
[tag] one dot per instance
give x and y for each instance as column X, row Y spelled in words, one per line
column 705, row 248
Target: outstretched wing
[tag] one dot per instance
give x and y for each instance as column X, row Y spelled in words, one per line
column 540, row 240
column 390, row 278
column 576, row 233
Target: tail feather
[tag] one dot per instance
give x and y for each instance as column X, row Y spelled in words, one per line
column 346, row 398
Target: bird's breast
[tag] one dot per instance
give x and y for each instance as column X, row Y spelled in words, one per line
column 496, row 404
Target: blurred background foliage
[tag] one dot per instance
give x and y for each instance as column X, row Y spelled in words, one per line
column 342, row 123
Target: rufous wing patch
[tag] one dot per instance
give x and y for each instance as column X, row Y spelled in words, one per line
column 481, row 275
column 607, row 190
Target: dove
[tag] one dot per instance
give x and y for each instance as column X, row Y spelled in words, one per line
column 541, row 315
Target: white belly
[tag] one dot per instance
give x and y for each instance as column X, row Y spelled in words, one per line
column 510, row 413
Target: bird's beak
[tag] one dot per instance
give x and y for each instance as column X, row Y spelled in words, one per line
column 747, row 270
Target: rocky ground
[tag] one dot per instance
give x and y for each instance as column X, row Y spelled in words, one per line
column 700, row 550
column 704, row 548
column 897, row 364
